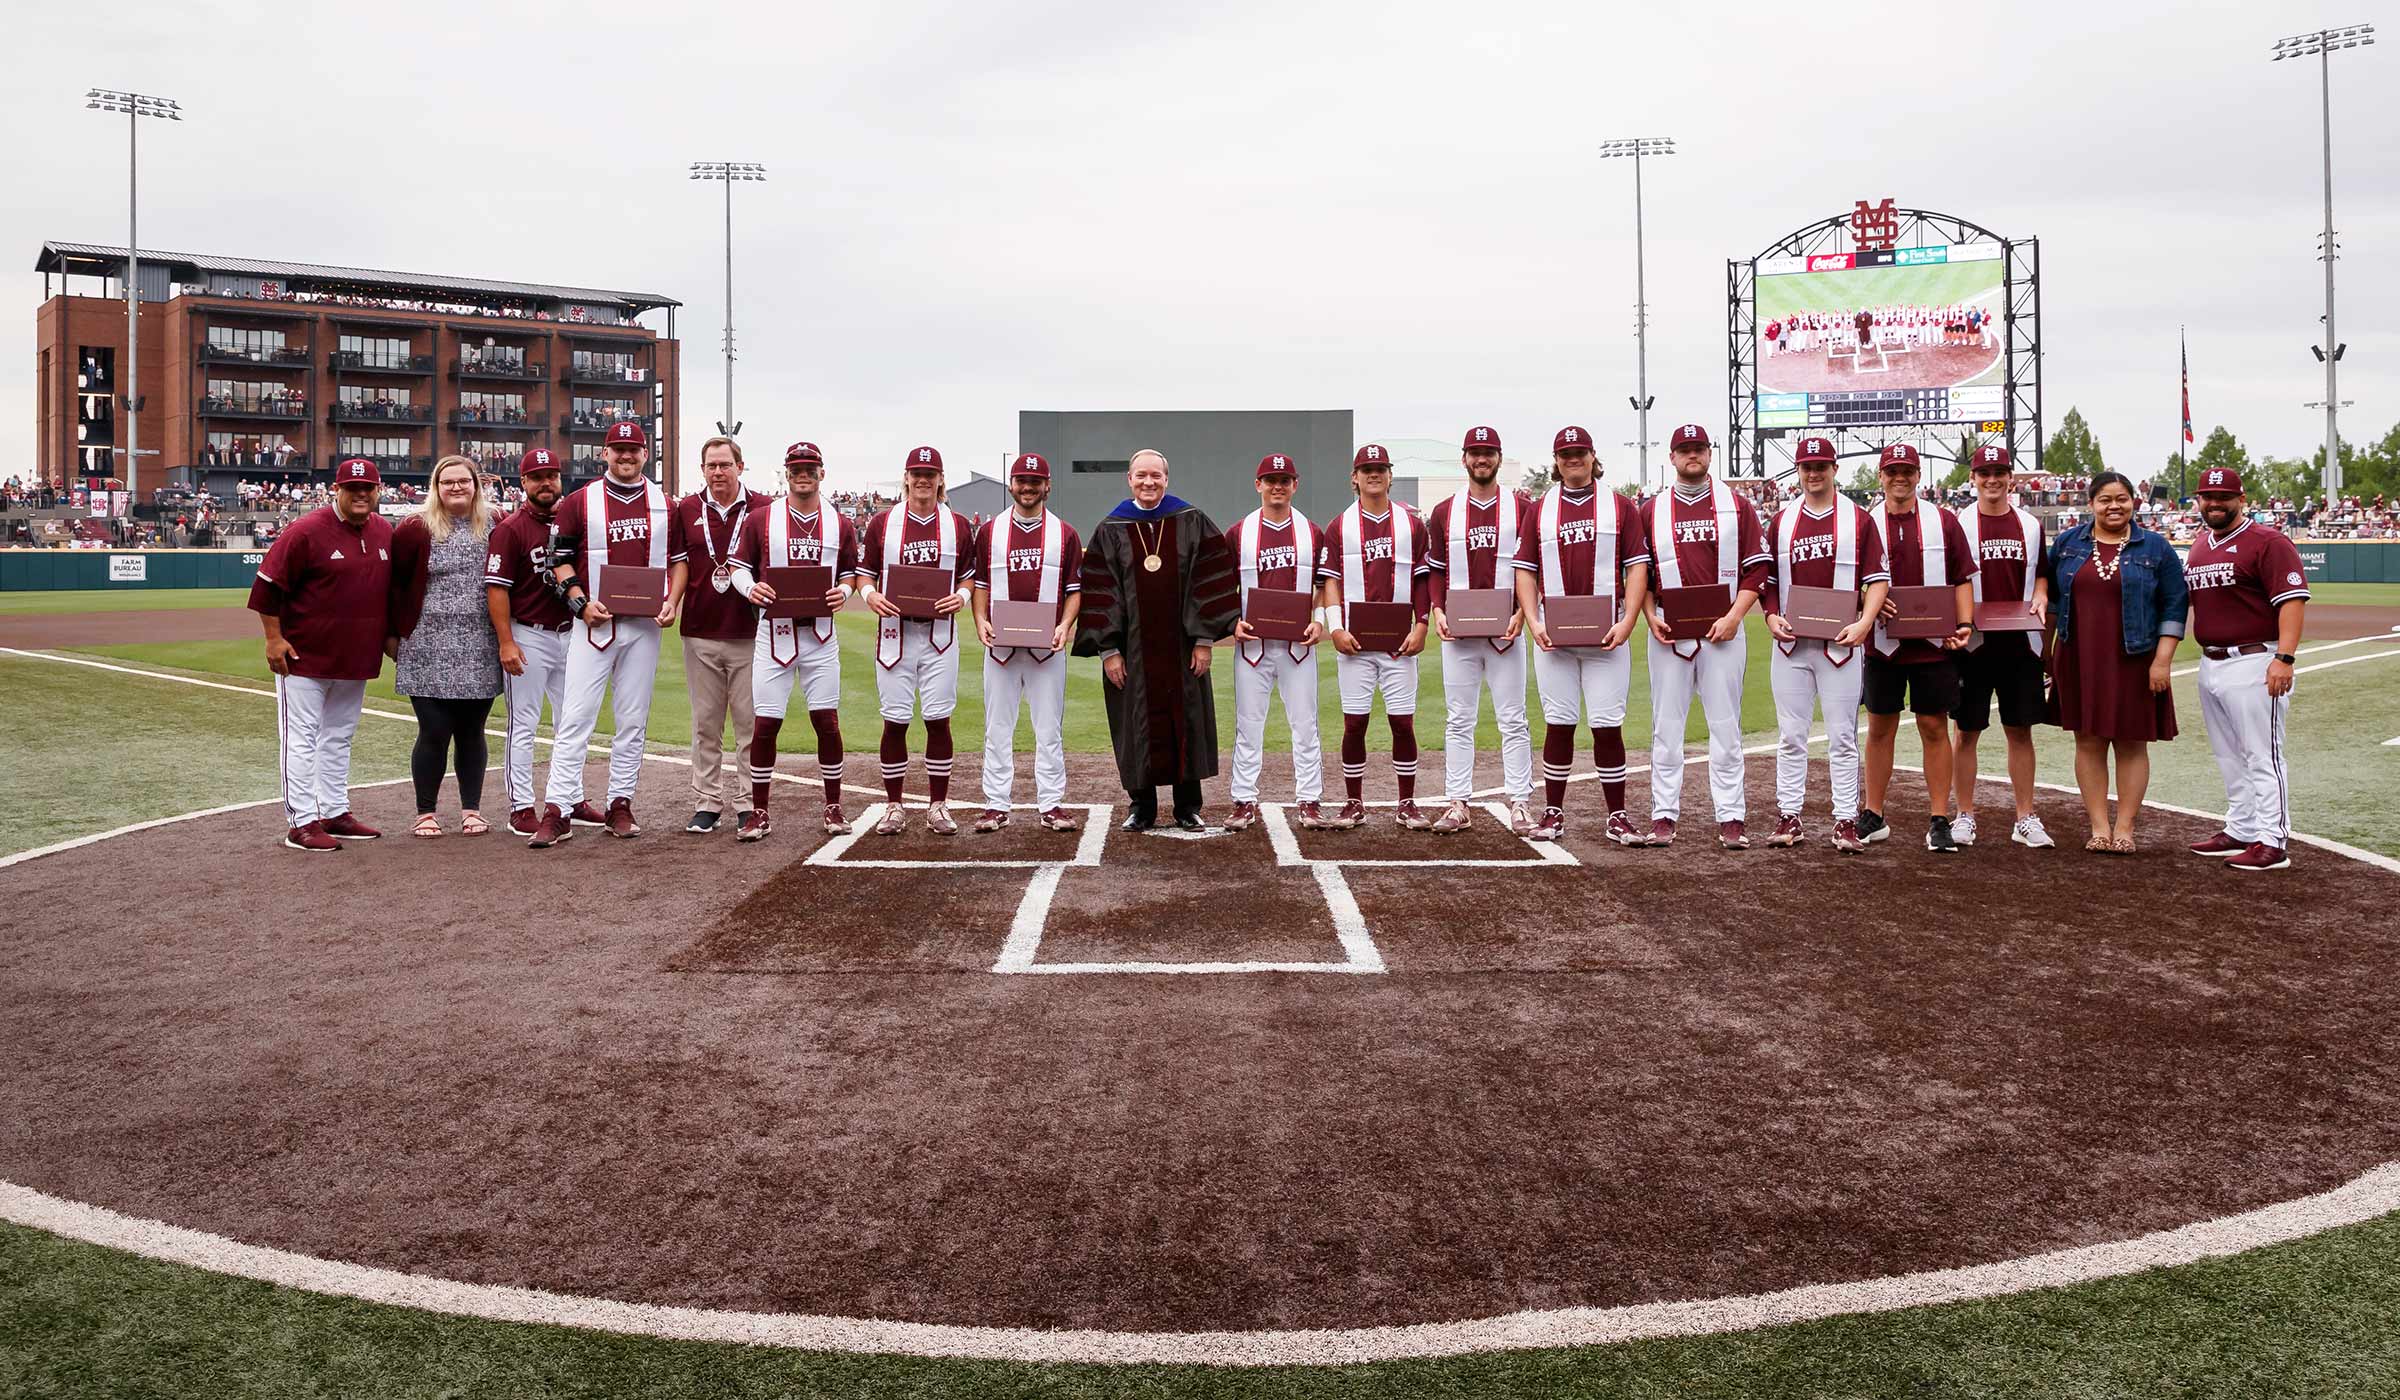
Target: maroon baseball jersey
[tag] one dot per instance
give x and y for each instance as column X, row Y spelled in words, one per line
column 1578, row 541
column 1280, row 566
column 1693, row 527
column 1378, row 555
column 627, row 525
column 1484, row 565
column 709, row 536
column 2000, row 553
column 517, row 547
column 1025, row 557
column 921, row 544
column 1904, row 556
column 804, row 543
column 2238, row 582
column 1814, row 546
column 331, row 584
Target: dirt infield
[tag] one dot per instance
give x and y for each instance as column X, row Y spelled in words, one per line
column 107, row 629
column 1813, row 370
column 680, row 1070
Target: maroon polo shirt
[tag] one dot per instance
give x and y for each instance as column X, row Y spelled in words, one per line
column 710, row 536
column 331, row 584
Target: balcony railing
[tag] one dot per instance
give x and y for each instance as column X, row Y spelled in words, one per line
column 289, row 357
column 602, row 374
column 213, row 407
column 213, row 460
column 352, row 362
column 517, row 421
column 469, row 369
column 599, row 422
column 391, row 466
column 382, row 413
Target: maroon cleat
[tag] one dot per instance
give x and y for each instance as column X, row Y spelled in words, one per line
column 2261, row 857
column 348, row 828
column 1311, row 815
column 1733, row 836
column 755, row 826
column 1662, row 832
column 523, row 820
column 1622, row 831
column 837, row 822
column 1353, row 813
column 1244, row 816
column 1786, row 832
column 1408, row 816
column 311, row 838
column 938, row 819
column 992, row 819
column 1551, row 826
column 1060, row 819
column 1846, row 838
column 552, row 829
column 585, row 814
column 2220, row 846
column 620, row 819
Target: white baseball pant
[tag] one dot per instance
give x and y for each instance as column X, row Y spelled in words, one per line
column 1804, row 681
column 817, row 665
column 921, row 679
column 1580, row 681
column 1041, row 685
column 315, row 721
column 2245, row 732
column 1278, row 672
column 624, row 672
column 545, row 678
column 1364, row 676
column 1716, row 673
column 1469, row 668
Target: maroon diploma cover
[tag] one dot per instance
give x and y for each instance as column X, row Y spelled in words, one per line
column 1926, row 614
column 1819, row 614
column 1690, row 612
column 1024, row 624
column 1479, row 612
column 1381, row 626
column 629, row 591
column 916, row 588
column 1279, row 614
column 2006, row 616
column 800, row 590
column 1574, row 621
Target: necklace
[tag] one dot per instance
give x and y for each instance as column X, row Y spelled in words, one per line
column 1150, row 545
column 2107, row 568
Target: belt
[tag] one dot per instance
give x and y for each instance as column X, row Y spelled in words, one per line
column 2228, row 653
column 566, row 626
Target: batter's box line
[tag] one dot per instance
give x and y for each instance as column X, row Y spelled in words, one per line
column 1286, row 844
column 1088, row 845
column 1019, row 955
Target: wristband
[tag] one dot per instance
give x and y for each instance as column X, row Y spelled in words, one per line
column 577, row 602
column 2286, row 657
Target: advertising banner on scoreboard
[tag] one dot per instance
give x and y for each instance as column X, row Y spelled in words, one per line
column 1893, row 336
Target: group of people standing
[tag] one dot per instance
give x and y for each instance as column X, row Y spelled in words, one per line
column 475, row 610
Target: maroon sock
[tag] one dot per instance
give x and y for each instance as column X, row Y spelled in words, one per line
column 828, row 724
column 1558, row 759
column 895, row 758
column 762, row 758
column 1404, row 754
column 1608, row 755
column 1354, row 756
column 937, row 758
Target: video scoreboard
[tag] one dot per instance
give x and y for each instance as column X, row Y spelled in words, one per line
column 1861, row 408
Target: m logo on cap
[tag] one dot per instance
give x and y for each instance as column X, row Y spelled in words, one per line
column 1483, row 435
column 1988, row 454
column 1374, row 454
column 1568, row 436
column 1281, row 461
column 541, row 456
column 924, row 454
column 2216, row 477
column 358, row 469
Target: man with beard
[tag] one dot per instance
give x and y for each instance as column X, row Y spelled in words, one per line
column 799, row 529
column 1822, row 540
column 1472, row 540
column 2249, row 592
column 1275, row 548
column 530, row 619
column 916, row 659
column 1158, row 592
column 1027, row 555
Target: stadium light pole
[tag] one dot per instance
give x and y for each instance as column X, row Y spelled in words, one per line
column 135, row 106
column 2320, row 46
column 1637, row 147
column 731, row 172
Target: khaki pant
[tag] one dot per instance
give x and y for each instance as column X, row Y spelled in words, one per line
column 717, row 673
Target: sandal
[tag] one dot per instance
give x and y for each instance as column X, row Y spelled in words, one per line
column 2122, row 845
column 2100, row 844
column 472, row 824
column 427, row 825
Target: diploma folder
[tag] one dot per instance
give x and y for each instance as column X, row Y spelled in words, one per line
column 1381, row 626
column 1577, row 621
column 1690, row 612
column 628, row 591
column 1819, row 614
column 1024, row 624
column 2008, row 615
column 916, row 588
column 800, row 590
column 1479, row 612
column 1279, row 614
column 1926, row 614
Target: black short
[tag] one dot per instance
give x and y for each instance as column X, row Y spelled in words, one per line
column 2004, row 667
column 1929, row 687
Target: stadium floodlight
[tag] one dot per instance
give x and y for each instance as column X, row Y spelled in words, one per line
column 135, row 106
column 2321, row 46
column 731, row 172
column 1638, row 147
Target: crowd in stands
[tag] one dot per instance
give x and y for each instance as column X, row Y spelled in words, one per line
column 284, row 400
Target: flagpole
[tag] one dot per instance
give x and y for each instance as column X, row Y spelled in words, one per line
column 2183, row 476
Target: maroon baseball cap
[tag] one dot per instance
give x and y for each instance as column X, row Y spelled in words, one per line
column 2225, row 481
column 1991, row 454
column 803, row 453
column 1030, row 464
column 1815, row 449
column 627, row 431
column 1572, row 440
column 1373, row 458
column 1689, row 435
column 537, row 459
column 1481, row 440
column 923, row 459
column 1276, row 464
column 1899, row 454
column 357, row 471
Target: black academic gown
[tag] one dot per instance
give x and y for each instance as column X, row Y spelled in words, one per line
column 1163, row 721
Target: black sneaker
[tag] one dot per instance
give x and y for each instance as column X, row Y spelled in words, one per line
column 1872, row 827
column 701, row 823
column 1938, row 837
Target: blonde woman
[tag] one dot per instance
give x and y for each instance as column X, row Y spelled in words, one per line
column 449, row 658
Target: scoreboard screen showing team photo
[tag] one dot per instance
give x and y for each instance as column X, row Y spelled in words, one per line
column 1891, row 336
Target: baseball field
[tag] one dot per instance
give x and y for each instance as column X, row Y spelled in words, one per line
column 1282, row 1113
column 1941, row 284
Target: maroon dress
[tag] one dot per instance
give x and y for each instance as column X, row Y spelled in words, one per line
column 2099, row 690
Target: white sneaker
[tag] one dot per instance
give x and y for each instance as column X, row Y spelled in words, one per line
column 2029, row 832
column 1962, row 828
column 1520, row 820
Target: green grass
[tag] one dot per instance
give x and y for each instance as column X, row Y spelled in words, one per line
column 1939, row 284
column 83, row 600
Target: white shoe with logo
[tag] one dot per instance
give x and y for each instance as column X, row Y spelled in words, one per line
column 2029, row 832
column 1962, row 828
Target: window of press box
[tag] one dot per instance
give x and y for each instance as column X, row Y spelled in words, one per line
column 1118, row 466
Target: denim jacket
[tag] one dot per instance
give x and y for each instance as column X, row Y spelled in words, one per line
column 2150, row 573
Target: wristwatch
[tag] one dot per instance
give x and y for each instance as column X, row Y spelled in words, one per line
column 2286, row 657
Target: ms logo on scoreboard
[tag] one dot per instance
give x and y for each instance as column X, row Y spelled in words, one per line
column 1875, row 226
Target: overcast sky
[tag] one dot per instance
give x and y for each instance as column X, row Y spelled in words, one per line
column 1396, row 208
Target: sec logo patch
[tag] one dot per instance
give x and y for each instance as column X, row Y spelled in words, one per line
column 2292, row 579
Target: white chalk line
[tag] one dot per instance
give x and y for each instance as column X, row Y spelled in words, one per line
column 2194, row 669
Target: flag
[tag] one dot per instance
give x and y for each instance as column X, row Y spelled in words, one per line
column 2187, row 385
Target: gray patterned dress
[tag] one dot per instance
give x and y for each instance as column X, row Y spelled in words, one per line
column 452, row 655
